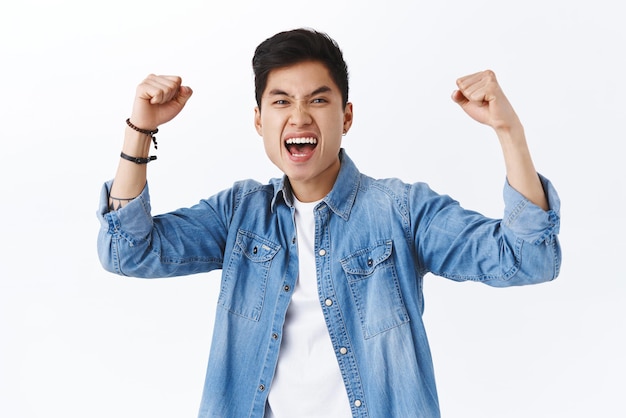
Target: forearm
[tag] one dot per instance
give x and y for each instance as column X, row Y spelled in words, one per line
column 481, row 98
column 132, row 242
column 520, row 170
column 130, row 177
column 158, row 99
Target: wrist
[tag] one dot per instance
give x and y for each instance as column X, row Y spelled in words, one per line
column 136, row 146
column 137, row 160
column 136, row 143
column 141, row 124
column 148, row 132
column 511, row 134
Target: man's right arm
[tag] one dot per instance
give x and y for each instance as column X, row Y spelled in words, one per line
column 158, row 100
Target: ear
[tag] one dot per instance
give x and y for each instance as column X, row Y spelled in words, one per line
column 257, row 121
column 347, row 117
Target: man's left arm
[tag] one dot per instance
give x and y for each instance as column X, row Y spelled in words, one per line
column 481, row 97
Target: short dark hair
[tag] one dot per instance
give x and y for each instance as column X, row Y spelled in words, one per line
column 295, row 46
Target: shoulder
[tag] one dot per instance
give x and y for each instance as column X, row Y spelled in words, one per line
column 241, row 192
column 249, row 187
column 408, row 197
column 391, row 186
column 395, row 188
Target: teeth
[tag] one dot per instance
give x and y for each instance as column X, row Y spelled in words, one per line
column 291, row 141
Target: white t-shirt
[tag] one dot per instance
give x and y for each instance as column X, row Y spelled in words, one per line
column 308, row 381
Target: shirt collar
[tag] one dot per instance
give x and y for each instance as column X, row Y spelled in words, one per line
column 340, row 199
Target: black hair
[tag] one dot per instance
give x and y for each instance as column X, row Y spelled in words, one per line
column 295, row 46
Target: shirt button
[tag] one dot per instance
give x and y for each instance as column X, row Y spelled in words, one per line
column 275, row 336
column 343, row 350
column 293, row 240
column 262, row 388
column 357, row 403
column 287, row 288
column 328, row 302
column 322, row 252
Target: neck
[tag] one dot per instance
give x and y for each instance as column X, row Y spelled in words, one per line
column 312, row 190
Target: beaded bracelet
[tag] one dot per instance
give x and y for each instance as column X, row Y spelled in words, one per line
column 139, row 160
column 145, row 132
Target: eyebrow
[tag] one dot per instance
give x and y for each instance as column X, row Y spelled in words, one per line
column 319, row 90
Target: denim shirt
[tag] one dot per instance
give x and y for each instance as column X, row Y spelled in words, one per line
column 374, row 242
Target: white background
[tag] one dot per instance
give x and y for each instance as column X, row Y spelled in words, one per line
column 76, row 341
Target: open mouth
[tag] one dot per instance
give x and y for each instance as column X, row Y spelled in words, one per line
column 301, row 147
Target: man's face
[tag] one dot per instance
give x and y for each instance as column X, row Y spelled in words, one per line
column 301, row 120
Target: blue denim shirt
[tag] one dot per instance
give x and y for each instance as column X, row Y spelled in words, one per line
column 374, row 242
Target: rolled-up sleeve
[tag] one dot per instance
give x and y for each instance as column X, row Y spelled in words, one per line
column 528, row 221
column 135, row 216
column 132, row 242
column 521, row 248
column 128, row 226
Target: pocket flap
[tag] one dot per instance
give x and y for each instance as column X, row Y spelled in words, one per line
column 364, row 262
column 256, row 248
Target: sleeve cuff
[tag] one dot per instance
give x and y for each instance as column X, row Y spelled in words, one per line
column 527, row 220
column 133, row 221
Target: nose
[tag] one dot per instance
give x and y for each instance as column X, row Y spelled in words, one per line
column 300, row 115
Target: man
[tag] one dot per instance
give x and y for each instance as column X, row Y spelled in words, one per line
column 320, row 306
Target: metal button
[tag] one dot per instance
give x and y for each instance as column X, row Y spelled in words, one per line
column 370, row 262
column 261, row 388
column 287, row 288
column 343, row 350
column 255, row 250
column 357, row 403
column 328, row 302
column 322, row 252
column 275, row 336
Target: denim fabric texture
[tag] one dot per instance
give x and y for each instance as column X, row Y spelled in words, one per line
column 374, row 242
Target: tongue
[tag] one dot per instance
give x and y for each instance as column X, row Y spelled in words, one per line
column 300, row 149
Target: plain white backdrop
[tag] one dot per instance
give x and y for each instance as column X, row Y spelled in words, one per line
column 78, row 342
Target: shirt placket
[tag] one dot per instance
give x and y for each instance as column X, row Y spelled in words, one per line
column 276, row 329
column 331, row 308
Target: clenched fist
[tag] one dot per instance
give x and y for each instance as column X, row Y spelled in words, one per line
column 481, row 97
column 158, row 99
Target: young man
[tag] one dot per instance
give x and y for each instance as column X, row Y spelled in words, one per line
column 320, row 307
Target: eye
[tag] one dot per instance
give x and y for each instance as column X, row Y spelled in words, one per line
column 319, row 100
column 281, row 102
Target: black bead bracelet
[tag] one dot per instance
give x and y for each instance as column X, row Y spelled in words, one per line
column 148, row 132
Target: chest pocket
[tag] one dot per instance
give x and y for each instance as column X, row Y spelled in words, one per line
column 245, row 278
column 374, row 285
